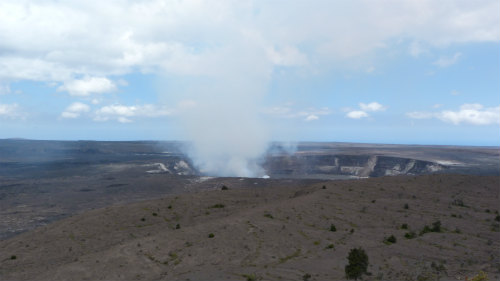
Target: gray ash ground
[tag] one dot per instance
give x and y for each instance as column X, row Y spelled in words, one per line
column 275, row 232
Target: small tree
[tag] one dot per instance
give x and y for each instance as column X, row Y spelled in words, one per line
column 358, row 263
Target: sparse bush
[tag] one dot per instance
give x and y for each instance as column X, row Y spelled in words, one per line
column 13, row 257
column 154, row 214
column 495, row 227
column 224, row 187
column 425, row 230
column 306, row 277
column 436, row 227
column 169, row 207
column 406, row 206
column 482, row 276
column 333, row 228
column 437, row 267
column 177, row 226
column 390, row 240
column 330, row 246
column 211, row 235
column 143, row 219
column 358, row 264
column 458, row 202
column 497, row 218
column 410, row 235
column 404, row 226
column 267, row 215
column 218, row 206
column 324, row 187
column 373, row 201
column 351, row 231
column 250, row 277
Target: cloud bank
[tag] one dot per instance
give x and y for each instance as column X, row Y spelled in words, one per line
column 473, row 114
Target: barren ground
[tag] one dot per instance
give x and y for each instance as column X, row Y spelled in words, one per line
column 274, row 231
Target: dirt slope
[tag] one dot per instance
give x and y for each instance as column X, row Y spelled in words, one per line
column 280, row 233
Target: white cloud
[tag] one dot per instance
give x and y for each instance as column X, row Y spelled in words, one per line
column 308, row 114
column 448, row 61
column 123, row 113
column 373, row 106
column 365, row 108
column 419, row 115
column 11, row 111
column 288, row 56
column 474, row 114
column 87, row 86
column 311, row 117
column 74, row 110
column 416, row 49
column 4, row 89
column 357, row 114
column 103, row 38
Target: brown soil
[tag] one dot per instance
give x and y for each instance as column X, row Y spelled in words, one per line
column 274, row 233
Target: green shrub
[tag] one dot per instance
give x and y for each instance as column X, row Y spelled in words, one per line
column 267, row 215
column 333, row 228
column 410, row 235
column 358, row 264
column 480, row 277
column 404, row 226
column 390, row 240
column 250, row 277
column 436, row 227
column 224, row 187
column 211, row 235
column 155, row 214
column 406, row 206
column 177, row 226
column 219, row 206
column 306, row 277
column 330, row 246
column 497, row 218
column 13, row 257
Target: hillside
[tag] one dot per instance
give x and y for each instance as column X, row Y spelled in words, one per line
column 275, row 232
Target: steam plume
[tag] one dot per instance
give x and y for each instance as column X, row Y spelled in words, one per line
column 220, row 114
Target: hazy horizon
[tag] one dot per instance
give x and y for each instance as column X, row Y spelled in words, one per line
column 269, row 143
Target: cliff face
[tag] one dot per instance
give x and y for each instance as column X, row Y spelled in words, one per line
column 348, row 165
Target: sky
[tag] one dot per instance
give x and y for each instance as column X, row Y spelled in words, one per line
column 250, row 72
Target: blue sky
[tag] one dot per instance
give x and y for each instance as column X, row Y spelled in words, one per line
column 410, row 72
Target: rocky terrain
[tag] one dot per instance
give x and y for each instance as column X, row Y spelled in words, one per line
column 261, row 230
column 90, row 210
